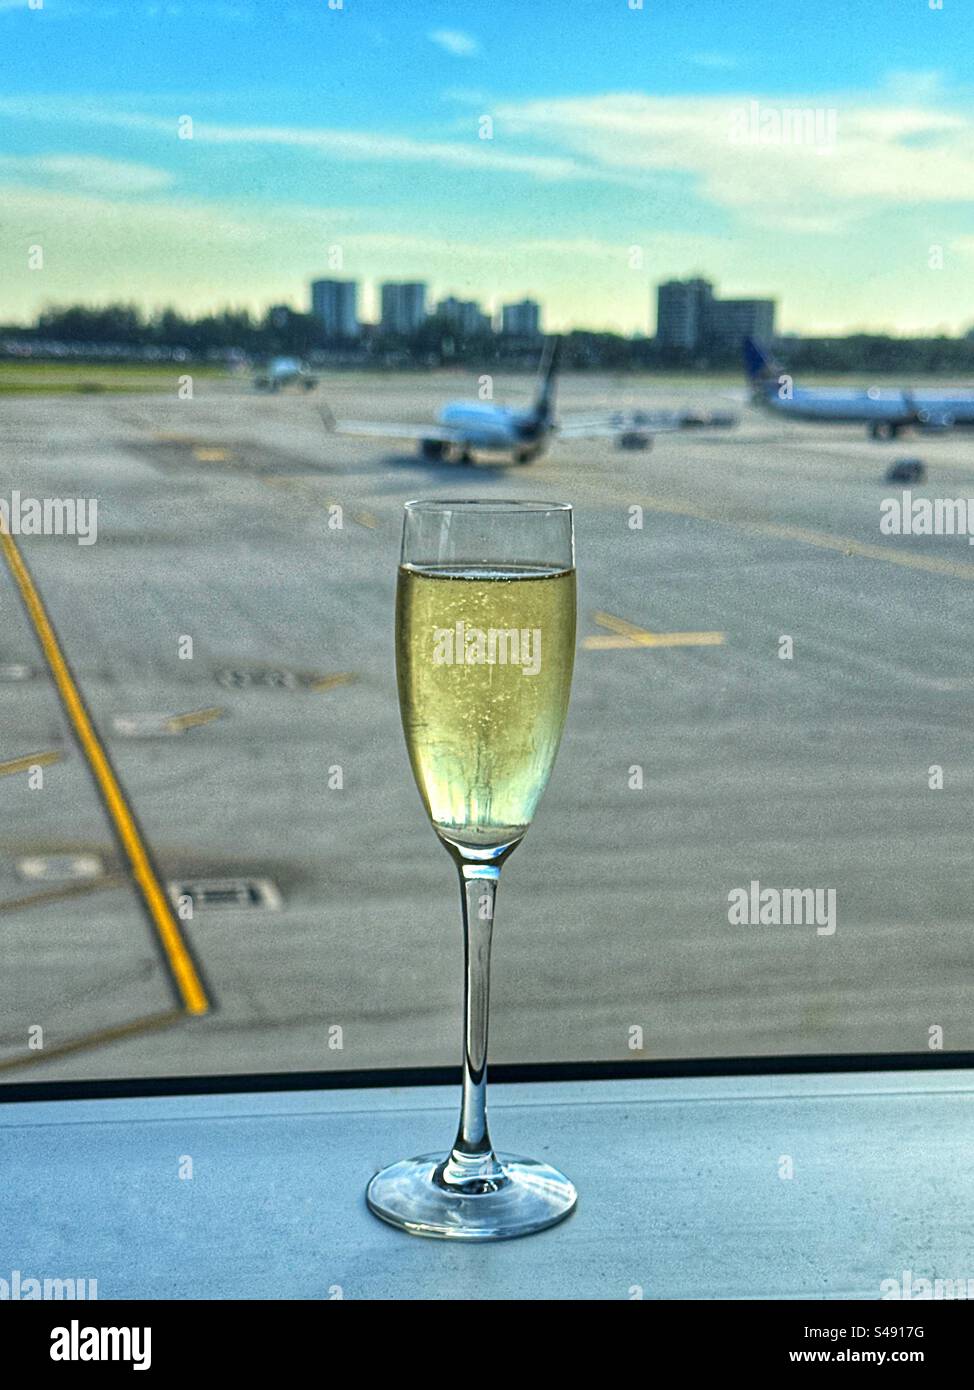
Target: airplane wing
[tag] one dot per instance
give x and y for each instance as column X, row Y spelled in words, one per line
column 600, row 425
column 609, row 425
column 377, row 429
column 606, row 429
column 384, row 429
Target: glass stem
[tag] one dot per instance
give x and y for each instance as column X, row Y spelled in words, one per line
column 472, row 1164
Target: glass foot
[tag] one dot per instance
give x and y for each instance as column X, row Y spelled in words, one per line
column 527, row 1197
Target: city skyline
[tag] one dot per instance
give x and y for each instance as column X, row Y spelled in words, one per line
column 630, row 148
column 405, row 305
column 690, row 316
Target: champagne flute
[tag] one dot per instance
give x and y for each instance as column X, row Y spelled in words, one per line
column 485, row 643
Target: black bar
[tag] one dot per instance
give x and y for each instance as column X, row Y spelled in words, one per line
column 792, row 1065
column 190, row 1338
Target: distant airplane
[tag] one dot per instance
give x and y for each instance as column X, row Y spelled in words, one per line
column 885, row 412
column 285, row 371
column 466, row 428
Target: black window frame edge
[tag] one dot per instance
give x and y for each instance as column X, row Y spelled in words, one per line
column 130, row 1088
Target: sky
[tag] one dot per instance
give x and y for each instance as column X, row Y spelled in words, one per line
column 577, row 151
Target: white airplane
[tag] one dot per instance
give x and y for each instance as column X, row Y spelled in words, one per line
column 285, row 371
column 464, row 429
column 885, row 412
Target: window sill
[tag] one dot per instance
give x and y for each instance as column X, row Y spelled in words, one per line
column 682, row 1182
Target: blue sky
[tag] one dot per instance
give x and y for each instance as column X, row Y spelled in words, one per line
column 819, row 152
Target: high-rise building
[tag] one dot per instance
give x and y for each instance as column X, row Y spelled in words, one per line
column 335, row 304
column 521, row 320
column 734, row 319
column 682, row 308
column 403, row 307
column 465, row 316
column 690, row 317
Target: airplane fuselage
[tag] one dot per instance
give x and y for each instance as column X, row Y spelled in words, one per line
column 898, row 409
column 485, row 426
column 284, row 371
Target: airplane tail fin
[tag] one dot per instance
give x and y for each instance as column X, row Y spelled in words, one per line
column 762, row 372
column 544, row 398
column 757, row 365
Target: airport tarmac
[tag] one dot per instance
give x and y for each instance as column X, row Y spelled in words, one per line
column 612, row 938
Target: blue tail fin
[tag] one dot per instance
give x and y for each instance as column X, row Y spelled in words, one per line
column 757, row 366
column 544, row 400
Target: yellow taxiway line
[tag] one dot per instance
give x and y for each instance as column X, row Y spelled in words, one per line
column 64, row 892
column 177, row 953
column 23, row 764
column 97, row 1039
column 822, row 540
column 196, row 718
column 627, row 635
column 329, row 682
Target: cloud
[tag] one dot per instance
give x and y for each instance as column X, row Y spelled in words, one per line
column 528, row 249
column 200, row 253
column 715, row 62
column 454, row 41
column 916, row 85
column 812, row 165
column 365, row 146
column 92, row 173
column 227, row 224
column 348, row 145
column 844, row 158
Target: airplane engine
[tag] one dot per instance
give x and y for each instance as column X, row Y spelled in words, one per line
column 934, row 422
column 634, row 439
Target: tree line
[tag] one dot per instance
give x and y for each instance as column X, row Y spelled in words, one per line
column 282, row 330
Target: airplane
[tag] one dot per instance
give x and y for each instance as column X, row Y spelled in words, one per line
column 284, row 371
column 885, row 412
column 464, row 429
